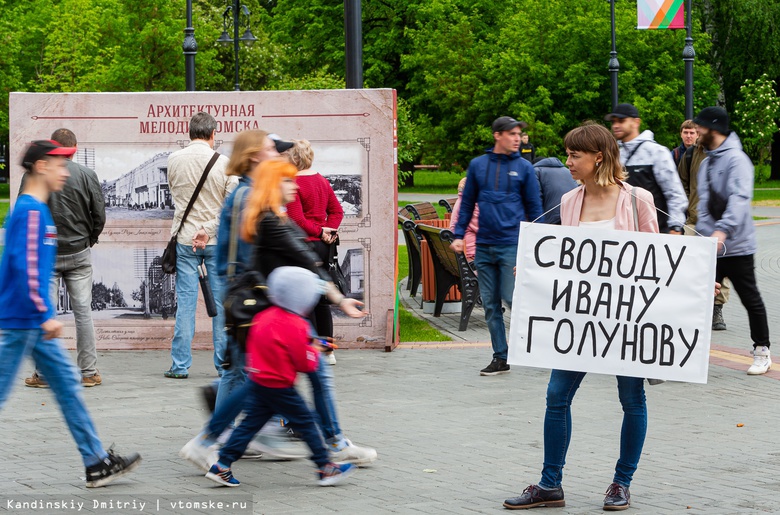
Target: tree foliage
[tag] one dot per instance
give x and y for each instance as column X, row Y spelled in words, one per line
column 756, row 115
column 456, row 64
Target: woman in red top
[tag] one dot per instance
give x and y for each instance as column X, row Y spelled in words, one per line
column 318, row 212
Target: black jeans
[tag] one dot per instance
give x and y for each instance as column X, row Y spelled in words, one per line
column 321, row 316
column 741, row 271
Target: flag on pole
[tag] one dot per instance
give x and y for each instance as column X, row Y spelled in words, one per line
column 660, row 14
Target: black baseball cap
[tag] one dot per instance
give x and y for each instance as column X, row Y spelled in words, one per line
column 44, row 147
column 507, row 123
column 715, row 118
column 281, row 145
column 622, row 111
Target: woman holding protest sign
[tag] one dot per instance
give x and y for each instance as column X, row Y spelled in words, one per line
column 602, row 201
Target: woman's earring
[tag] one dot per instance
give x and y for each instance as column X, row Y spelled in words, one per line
column 598, row 163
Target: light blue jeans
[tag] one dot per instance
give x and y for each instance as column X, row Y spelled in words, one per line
column 63, row 378
column 187, row 287
column 495, row 270
column 76, row 271
column 557, row 426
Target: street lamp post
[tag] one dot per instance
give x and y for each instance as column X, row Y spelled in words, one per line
column 614, row 64
column 688, row 56
column 353, row 43
column 235, row 16
column 190, row 47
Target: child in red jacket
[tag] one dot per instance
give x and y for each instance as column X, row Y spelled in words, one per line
column 280, row 345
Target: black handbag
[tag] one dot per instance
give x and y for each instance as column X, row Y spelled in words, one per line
column 246, row 294
column 168, row 261
column 334, row 269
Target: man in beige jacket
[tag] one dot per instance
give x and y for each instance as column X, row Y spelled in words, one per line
column 197, row 239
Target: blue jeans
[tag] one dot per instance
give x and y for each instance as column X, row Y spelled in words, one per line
column 63, row 378
column 323, row 391
column 261, row 404
column 557, row 426
column 187, row 287
column 232, row 378
column 495, row 270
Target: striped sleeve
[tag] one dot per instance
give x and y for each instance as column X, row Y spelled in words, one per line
column 32, row 260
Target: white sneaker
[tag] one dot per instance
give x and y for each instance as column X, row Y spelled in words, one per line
column 330, row 358
column 279, row 444
column 354, row 454
column 199, row 454
column 762, row 361
column 252, row 451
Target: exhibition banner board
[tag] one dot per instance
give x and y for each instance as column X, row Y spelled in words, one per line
column 127, row 137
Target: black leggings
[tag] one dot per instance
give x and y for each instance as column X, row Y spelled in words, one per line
column 321, row 316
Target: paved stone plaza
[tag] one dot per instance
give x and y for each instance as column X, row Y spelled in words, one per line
column 449, row 441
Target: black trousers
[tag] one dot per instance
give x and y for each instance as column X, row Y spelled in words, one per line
column 741, row 271
column 321, row 316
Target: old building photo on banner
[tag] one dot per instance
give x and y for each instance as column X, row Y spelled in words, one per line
column 613, row 302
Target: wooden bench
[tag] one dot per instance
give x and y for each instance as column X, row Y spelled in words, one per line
column 450, row 269
column 422, row 211
column 412, row 240
column 448, row 203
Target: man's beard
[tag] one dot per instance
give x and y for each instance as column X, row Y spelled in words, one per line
column 706, row 140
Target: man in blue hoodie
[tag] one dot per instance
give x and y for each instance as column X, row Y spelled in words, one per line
column 725, row 192
column 505, row 186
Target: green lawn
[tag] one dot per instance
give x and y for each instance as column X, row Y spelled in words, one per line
column 445, row 183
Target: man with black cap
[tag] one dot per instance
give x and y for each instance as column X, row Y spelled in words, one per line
column 505, row 186
column 650, row 166
column 28, row 323
column 197, row 238
column 725, row 193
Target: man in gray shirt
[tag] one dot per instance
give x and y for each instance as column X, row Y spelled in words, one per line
column 79, row 213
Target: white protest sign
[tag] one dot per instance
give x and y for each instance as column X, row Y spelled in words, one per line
column 613, row 302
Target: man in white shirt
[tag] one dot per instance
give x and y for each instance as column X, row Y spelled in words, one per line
column 197, row 239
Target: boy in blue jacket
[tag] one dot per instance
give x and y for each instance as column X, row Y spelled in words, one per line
column 28, row 326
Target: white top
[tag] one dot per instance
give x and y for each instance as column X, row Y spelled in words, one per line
column 185, row 167
column 599, row 224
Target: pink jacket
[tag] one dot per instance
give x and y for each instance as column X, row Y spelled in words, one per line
column 571, row 207
column 470, row 238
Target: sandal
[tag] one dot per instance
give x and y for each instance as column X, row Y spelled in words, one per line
column 173, row 375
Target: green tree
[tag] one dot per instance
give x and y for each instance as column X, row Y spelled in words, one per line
column 756, row 115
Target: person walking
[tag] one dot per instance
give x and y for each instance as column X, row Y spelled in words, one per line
column 603, row 201
column 197, row 238
column 554, row 180
column 79, row 213
column 725, row 193
column 28, row 325
column 649, row 166
column 317, row 211
column 507, row 191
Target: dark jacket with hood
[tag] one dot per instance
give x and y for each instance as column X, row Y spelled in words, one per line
column 506, row 188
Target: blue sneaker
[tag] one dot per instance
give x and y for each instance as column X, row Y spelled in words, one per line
column 332, row 473
column 222, row 475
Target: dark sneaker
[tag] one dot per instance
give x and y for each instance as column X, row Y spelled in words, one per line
column 618, row 498
column 209, row 393
column 535, row 496
column 170, row 374
column 497, row 366
column 112, row 467
column 333, row 473
column 223, row 476
column 36, row 381
column 718, row 324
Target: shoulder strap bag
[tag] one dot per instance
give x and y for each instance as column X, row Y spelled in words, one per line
column 168, row 261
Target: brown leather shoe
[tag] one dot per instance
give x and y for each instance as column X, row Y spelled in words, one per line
column 94, row 380
column 36, row 381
